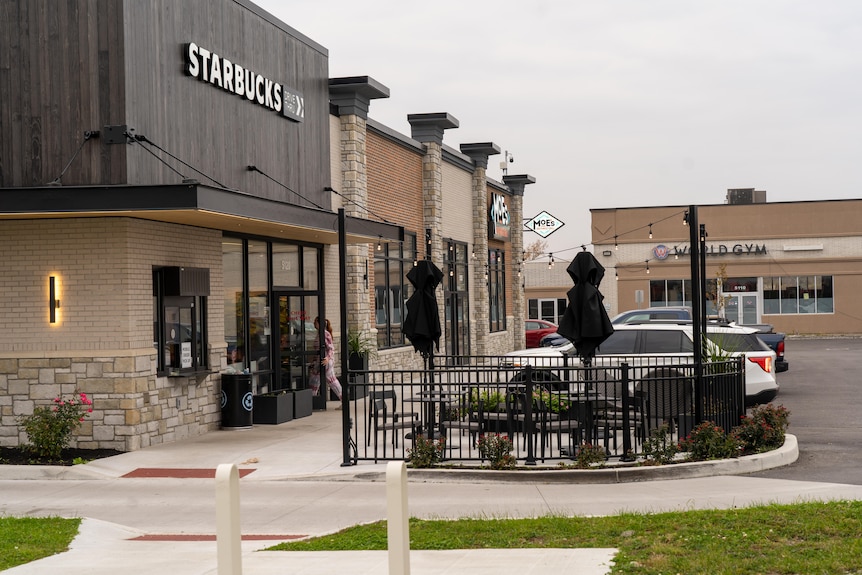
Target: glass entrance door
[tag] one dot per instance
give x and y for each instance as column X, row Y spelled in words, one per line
column 295, row 338
column 741, row 308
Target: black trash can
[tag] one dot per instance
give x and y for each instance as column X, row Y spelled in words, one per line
column 236, row 400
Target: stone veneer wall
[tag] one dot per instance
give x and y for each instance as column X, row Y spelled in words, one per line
column 103, row 344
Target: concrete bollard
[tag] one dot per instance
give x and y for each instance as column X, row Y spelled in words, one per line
column 397, row 519
column 228, row 536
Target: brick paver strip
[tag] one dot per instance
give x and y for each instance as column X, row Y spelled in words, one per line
column 178, row 473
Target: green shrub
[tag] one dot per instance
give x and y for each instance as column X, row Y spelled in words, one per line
column 497, row 449
column 589, row 454
column 709, row 441
column 764, row 429
column 426, row 452
column 50, row 428
column 660, row 448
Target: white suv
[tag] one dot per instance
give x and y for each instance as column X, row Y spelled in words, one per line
column 673, row 339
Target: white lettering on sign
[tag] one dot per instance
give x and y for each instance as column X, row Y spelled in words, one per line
column 209, row 67
column 499, row 209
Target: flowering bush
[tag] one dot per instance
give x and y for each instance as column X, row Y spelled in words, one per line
column 497, row 449
column 709, row 441
column 426, row 452
column 660, row 448
column 764, row 429
column 49, row 428
column 588, row 454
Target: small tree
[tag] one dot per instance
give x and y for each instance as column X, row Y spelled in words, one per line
column 535, row 250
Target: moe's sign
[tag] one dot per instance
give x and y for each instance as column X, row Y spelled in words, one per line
column 207, row 66
column 499, row 216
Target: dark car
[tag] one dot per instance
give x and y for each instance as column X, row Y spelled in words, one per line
column 553, row 340
column 536, row 329
column 652, row 314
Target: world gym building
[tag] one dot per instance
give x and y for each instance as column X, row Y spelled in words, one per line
column 183, row 190
column 795, row 265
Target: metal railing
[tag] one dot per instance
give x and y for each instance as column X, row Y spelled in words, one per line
column 548, row 409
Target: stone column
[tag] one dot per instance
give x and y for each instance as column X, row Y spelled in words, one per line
column 479, row 310
column 519, row 306
column 352, row 97
column 428, row 129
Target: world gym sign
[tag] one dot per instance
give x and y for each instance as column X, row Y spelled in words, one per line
column 207, row 66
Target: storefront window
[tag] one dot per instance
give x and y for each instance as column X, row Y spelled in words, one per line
column 180, row 312
column 256, row 274
column 665, row 293
column 496, row 290
column 391, row 289
column 232, row 261
column 802, row 294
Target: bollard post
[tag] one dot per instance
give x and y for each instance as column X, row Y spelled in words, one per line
column 228, row 536
column 397, row 522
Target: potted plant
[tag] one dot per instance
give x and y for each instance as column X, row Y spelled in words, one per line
column 361, row 347
column 273, row 408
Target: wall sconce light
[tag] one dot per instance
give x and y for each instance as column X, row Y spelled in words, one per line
column 53, row 302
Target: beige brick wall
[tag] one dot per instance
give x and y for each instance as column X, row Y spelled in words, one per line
column 103, row 342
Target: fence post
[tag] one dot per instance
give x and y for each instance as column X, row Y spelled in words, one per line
column 627, row 438
column 228, row 537
column 398, row 521
column 529, row 424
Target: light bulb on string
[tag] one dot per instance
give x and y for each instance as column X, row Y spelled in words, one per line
column 650, row 231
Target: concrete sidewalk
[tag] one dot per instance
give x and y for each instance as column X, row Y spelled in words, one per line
column 303, row 459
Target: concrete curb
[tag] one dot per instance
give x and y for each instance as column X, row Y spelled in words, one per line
column 785, row 455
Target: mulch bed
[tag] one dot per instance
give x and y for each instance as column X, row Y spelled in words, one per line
column 19, row 456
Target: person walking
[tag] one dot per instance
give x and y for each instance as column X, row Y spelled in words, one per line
column 327, row 362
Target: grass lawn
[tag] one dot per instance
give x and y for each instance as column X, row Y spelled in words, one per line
column 773, row 539
column 27, row 539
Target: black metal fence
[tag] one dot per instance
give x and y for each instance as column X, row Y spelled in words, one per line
column 547, row 408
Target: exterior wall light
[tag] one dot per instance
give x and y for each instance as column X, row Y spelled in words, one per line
column 53, row 301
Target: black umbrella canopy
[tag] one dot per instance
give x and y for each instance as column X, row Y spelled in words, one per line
column 585, row 322
column 422, row 324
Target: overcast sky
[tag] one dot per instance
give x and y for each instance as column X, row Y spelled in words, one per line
column 619, row 103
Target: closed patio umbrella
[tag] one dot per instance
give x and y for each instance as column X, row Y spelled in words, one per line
column 585, row 322
column 422, row 324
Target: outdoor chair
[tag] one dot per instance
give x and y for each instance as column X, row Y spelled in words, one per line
column 382, row 421
column 393, row 411
column 572, row 423
column 667, row 396
column 469, row 420
column 609, row 416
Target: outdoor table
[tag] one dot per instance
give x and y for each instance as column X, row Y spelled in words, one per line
column 434, row 399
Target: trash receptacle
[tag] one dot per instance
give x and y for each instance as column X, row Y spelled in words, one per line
column 236, row 400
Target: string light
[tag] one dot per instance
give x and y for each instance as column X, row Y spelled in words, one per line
column 647, row 266
column 551, row 261
column 379, row 244
column 650, row 231
column 616, row 245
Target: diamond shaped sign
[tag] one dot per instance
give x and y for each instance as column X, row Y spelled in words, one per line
column 543, row 224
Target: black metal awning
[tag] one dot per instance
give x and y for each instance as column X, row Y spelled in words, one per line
column 193, row 205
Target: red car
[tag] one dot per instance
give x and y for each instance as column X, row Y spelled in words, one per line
column 536, row 329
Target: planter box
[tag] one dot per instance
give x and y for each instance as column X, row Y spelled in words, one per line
column 357, row 365
column 303, row 403
column 273, row 409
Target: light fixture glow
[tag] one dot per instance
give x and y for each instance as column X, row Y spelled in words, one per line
column 53, row 301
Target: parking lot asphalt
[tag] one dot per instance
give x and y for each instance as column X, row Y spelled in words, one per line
column 153, row 510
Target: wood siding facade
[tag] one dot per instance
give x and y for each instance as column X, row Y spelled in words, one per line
column 71, row 67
